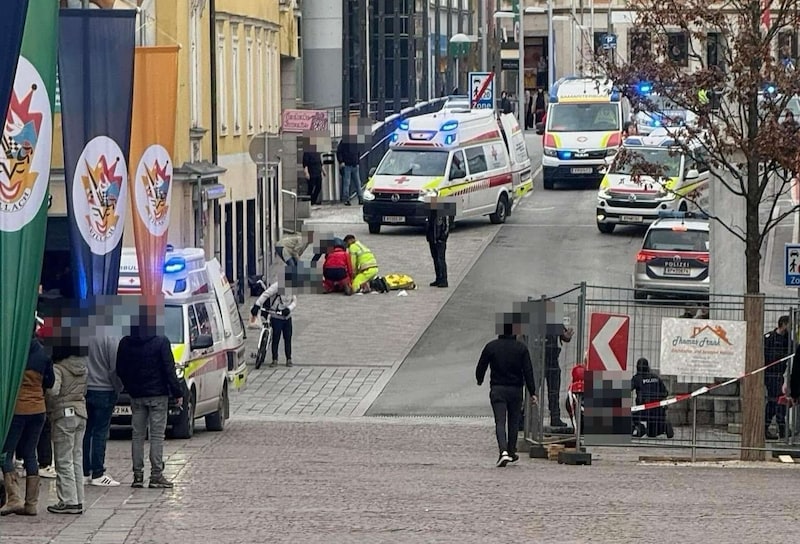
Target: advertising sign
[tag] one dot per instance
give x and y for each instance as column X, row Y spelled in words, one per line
column 702, row 347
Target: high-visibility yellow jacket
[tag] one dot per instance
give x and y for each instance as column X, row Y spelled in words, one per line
column 361, row 257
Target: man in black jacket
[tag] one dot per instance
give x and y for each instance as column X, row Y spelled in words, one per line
column 437, row 231
column 146, row 367
column 776, row 346
column 348, row 156
column 511, row 369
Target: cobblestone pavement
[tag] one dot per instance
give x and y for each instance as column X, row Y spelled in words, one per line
column 369, row 480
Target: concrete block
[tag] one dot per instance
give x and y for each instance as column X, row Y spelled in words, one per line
column 735, row 428
column 572, row 457
column 705, row 417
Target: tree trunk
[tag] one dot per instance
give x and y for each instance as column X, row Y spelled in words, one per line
column 752, row 393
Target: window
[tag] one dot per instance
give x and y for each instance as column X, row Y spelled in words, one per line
column 222, row 83
column 260, row 98
column 598, row 43
column 173, row 324
column 715, row 50
column 495, row 156
column 587, row 117
column 413, row 162
column 678, row 48
column 249, row 84
column 203, row 320
column 235, row 82
column 194, row 327
column 787, row 46
column 458, row 167
column 194, row 55
column 638, row 46
column 476, row 160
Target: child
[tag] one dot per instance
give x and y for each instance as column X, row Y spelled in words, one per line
column 575, row 389
column 66, row 406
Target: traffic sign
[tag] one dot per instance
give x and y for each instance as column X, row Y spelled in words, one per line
column 791, row 265
column 481, row 85
column 609, row 41
column 608, row 342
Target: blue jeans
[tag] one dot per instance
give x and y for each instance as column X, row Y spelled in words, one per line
column 23, row 435
column 99, row 408
column 351, row 181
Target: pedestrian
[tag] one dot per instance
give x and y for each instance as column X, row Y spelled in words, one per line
column 66, row 406
column 290, row 248
column 528, row 110
column 510, row 369
column 505, row 103
column 363, row 262
column 552, row 372
column 437, row 231
column 44, row 451
column 347, row 153
column 146, row 367
column 279, row 305
column 777, row 345
column 312, row 168
column 26, row 425
column 539, row 108
column 103, row 386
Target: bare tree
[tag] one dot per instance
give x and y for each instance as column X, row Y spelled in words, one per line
column 718, row 61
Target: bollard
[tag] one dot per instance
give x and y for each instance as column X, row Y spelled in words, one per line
column 694, row 429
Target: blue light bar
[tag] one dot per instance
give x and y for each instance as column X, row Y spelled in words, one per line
column 175, row 264
column 394, row 137
column 644, row 88
column 675, row 214
column 403, row 125
column 449, row 125
column 615, row 95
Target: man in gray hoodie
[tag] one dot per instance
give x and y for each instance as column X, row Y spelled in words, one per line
column 102, row 386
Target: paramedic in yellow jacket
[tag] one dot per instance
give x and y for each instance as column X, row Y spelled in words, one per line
column 365, row 266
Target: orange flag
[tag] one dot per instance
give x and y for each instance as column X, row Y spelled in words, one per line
column 155, row 96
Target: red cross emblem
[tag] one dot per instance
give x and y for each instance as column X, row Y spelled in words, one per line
column 494, row 153
column 401, row 180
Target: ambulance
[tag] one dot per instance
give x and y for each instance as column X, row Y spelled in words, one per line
column 679, row 180
column 584, row 122
column 203, row 324
column 469, row 155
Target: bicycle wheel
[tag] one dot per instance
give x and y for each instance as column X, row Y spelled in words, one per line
column 261, row 353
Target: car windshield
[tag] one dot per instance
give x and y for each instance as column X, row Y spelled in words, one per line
column 676, row 240
column 413, row 162
column 173, row 324
column 594, row 117
column 658, row 161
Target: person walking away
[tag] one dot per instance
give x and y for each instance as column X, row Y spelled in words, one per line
column 66, row 406
column 279, row 305
column 552, row 372
column 505, row 103
column 347, row 154
column 528, row 110
column 337, row 271
column 510, row 368
column 649, row 387
column 437, row 232
column 103, row 386
column 363, row 262
column 146, row 367
column 26, row 424
column 776, row 346
column 312, row 168
column 539, row 107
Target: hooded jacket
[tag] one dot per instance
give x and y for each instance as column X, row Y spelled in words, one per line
column 147, row 368
column 38, row 376
column 510, row 364
column 69, row 389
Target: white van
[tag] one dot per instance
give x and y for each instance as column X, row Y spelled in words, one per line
column 468, row 155
column 203, row 324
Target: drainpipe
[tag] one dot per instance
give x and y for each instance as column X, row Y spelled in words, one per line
column 212, row 12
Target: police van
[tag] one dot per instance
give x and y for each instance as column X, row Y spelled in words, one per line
column 679, row 180
column 582, row 127
column 203, row 324
column 469, row 155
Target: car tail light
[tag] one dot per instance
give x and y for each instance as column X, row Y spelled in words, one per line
column 644, row 256
column 614, row 140
column 702, row 258
column 549, row 141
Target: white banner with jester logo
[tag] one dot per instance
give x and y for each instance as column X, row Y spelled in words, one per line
column 153, row 189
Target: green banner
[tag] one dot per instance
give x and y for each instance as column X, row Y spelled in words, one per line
column 27, row 141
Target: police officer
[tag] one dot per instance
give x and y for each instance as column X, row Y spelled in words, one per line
column 776, row 346
column 279, row 305
column 437, row 231
column 552, row 372
column 649, row 388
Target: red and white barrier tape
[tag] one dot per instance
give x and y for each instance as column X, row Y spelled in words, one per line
column 703, row 390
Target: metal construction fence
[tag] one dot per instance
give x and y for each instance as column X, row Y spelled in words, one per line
column 709, row 421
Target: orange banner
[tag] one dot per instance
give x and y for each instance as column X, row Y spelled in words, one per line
column 155, row 97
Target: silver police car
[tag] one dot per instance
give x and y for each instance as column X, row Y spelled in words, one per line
column 673, row 261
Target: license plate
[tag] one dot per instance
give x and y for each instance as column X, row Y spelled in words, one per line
column 122, row 411
column 394, row 219
column 631, row 218
column 677, row 271
column 581, row 170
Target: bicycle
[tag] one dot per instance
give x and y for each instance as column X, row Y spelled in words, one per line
column 265, row 336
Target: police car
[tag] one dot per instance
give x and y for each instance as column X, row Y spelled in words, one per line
column 674, row 258
column 679, row 180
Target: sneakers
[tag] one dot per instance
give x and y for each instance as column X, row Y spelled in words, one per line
column 104, row 481
column 514, row 457
column 61, row 508
column 288, row 363
column 138, row 480
column 159, row 482
column 273, row 364
column 47, row 472
column 504, row 459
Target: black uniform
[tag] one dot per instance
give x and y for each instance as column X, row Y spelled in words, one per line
column 438, row 229
column 511, row 369
column 649, row 388
column 776, row 346
column 552, row 376
column 312, row 160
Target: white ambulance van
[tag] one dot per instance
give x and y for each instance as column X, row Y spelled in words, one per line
column 469, row 155
column 206, row 331
column 583, row 126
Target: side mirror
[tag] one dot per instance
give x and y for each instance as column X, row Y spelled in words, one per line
column 372, row 171
column 692, row 174
column 204, row 341
column 539, row 128
column 457, row 173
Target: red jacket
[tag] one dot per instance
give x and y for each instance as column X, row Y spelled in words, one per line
column 338, row 258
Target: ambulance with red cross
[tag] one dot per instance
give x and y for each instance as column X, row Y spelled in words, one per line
column 471, row 156
column 585, row 118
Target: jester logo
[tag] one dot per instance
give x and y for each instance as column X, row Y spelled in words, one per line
column 17, row 148
column 153, row 189
column 99, row 190
column 156, row 186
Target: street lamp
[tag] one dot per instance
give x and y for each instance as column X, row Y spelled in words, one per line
column 459, row 47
